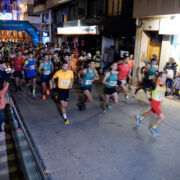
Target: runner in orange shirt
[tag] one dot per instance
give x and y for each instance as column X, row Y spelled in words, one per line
column 65, row 82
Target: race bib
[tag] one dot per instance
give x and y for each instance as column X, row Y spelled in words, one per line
column 32, row 67
column 160, row 98
column 19, row 66
column 64, row 83
column 123, row 81
column 89, row 82
column 151, row 77
column 97, row 64
column 47, row 72
column 113, row 83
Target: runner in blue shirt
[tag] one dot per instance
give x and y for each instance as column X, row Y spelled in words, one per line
column 30, row 71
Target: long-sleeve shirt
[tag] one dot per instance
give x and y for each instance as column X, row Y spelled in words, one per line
column 2, row 98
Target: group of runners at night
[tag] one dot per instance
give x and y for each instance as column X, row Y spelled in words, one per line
column 60, row 67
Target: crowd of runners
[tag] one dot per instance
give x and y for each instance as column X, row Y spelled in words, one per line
column 58, row 67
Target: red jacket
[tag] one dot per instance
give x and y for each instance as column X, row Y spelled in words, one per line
column 2, row 99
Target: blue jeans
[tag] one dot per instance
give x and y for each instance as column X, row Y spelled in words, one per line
column 1, row 119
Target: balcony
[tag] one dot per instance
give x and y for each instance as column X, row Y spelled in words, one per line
column 39, row 6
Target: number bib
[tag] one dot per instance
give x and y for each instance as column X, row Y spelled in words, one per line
column 151, row 77
column 123, row 81
column 64, row 83
column 47, row 72
column 89, row 82
column 32, row 67
column 113, row 83
column 97, row 64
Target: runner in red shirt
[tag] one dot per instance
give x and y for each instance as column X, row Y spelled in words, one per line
column 124, row 70
column 18, row 63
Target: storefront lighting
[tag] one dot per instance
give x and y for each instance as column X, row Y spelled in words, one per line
column 170, row 25
column 92, row 30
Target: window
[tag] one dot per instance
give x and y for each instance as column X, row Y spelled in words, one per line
column 114, row 7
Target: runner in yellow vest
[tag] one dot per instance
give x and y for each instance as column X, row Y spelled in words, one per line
column 97, row 59
column 157, row 97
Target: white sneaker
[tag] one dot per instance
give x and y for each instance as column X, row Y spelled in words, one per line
column 127, row 97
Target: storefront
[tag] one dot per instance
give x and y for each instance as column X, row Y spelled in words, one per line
column 159, row 36
column 11, row 28
column 87, row 37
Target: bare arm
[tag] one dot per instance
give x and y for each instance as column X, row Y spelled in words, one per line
column 52, row 67
column 96, row 76
column 105, row 78
column 40, row 67
column 80, row 74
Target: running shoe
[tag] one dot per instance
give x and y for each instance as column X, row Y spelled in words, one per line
column 47, row 92
column 139, row 120
column 154, row 131
column 83, row 106
column 44, row 97
column 129, row 87
column 136, row 91
column 34, row 95
column 16, row 89
column 103, row 111
column 127, row 97
column 20, row 89
column 66, row 121
column 2, row 133
column 109, row 106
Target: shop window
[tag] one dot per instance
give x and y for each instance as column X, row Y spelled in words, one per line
column 114, row 7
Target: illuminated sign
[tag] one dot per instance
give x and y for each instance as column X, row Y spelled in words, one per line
column 6, row 16
column 79, row 30
column 170, row 25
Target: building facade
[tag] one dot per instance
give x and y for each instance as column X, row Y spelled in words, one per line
column 92, row 23
column 157, row 32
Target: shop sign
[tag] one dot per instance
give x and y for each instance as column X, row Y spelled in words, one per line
column 170, row 26
column 92, row 30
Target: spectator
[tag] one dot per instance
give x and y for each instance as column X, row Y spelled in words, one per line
column 4, row 76
column 176, row 85
column 2, row 106
column 170, row 69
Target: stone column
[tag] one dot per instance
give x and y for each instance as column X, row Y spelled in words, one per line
column 165, row 51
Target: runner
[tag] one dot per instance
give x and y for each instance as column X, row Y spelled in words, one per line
column 86, row 77
column 56, row 62
column 150, row 75
column 18, row 63
column 65, row 82
column 110, row 81
column 97, row 59
column 30, row 72
column 124, row 70
column 158, row 94
column 46, row 68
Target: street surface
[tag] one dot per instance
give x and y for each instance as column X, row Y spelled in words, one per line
column 103, row 147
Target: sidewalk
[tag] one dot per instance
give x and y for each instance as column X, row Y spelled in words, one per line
column 103, row 147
